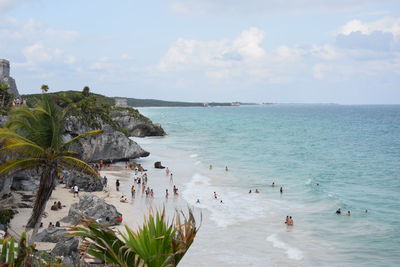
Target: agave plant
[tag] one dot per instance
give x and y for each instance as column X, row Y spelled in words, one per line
column 159, row 242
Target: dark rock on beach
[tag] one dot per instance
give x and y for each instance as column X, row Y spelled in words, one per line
column 94, row 208
column 158, row 165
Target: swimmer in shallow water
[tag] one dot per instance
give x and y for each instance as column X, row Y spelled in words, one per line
column 287, row 219
column 250, row 191
column 290, row 221
column 348, row 213
column 273, row 184
column 339, row 211
column 198, row 201
column 257, row 191
column 281, row 189
column 226, row 168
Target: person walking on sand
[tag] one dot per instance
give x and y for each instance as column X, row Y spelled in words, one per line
column 166, row 193
column 117, row 184
column 167, row 171
column 171, row 179
column 76, row 190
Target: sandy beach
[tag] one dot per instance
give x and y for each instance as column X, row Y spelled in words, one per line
column 134, row 211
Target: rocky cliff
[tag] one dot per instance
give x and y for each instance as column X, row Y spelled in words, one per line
column 5, row 77
column 136, row 124
column 110, row 145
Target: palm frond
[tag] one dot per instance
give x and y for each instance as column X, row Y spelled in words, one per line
column 77, row 164
column 19, row 165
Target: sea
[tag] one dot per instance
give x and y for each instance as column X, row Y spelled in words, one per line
column 324, row 156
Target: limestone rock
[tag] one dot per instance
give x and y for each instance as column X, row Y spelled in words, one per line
column 52, row 235
column 69, row 249
column 158, row 165
column 136, row 126
column 6, row 79
column 110, row 145
column 84, row 181
column 92, row 207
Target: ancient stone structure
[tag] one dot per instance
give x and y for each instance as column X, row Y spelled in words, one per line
column 6, row 79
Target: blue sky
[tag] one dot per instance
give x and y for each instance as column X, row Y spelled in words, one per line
column 299, row 51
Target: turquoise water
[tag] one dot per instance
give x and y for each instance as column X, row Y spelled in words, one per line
column 352, row 152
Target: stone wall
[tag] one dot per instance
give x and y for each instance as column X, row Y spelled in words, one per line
column 5, row 77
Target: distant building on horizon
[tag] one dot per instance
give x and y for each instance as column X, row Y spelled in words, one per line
column 121, row 102
column 5, row 77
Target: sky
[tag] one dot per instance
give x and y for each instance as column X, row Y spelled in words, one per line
column 293, row 51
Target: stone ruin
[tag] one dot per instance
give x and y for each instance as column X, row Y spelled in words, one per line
column 5, row 77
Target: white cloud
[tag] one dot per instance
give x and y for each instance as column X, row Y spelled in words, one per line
column 325, row 52
column 248, row 44
column 387, row 24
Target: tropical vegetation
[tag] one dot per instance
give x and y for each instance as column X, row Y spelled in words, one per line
column 33, row 139
column 159, row 242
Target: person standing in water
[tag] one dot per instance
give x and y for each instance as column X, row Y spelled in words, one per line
column 348, row 213
column 281, row 190
column 210, row 167
column 171, row 179
column 290, row 221
column 273, row 184
column 167, row 171
column 226, row 168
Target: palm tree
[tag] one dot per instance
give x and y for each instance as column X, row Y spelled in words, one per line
column 35, row 137
column 44, row 88
column 159, row 242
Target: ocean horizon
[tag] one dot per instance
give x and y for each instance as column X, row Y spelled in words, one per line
column 323, row 156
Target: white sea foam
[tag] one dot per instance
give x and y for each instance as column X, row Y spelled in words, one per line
column 292, row 253
column 237, row 207
column 193, row 155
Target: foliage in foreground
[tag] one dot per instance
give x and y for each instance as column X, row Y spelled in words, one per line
column 159, row 242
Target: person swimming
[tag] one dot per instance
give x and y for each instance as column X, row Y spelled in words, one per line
column 198, row 201
column 281, row 190
column 348, row 213
column 290, row 221
column 215, row 195
column 226, row 168
column 273, row 184
column 287, row 219
column 257, row 191
column 250, row 191
column 339, row 211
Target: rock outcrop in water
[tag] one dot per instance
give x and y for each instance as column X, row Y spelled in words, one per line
column 136, row 125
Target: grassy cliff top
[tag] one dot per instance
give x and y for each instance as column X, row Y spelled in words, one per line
column 90, row 107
